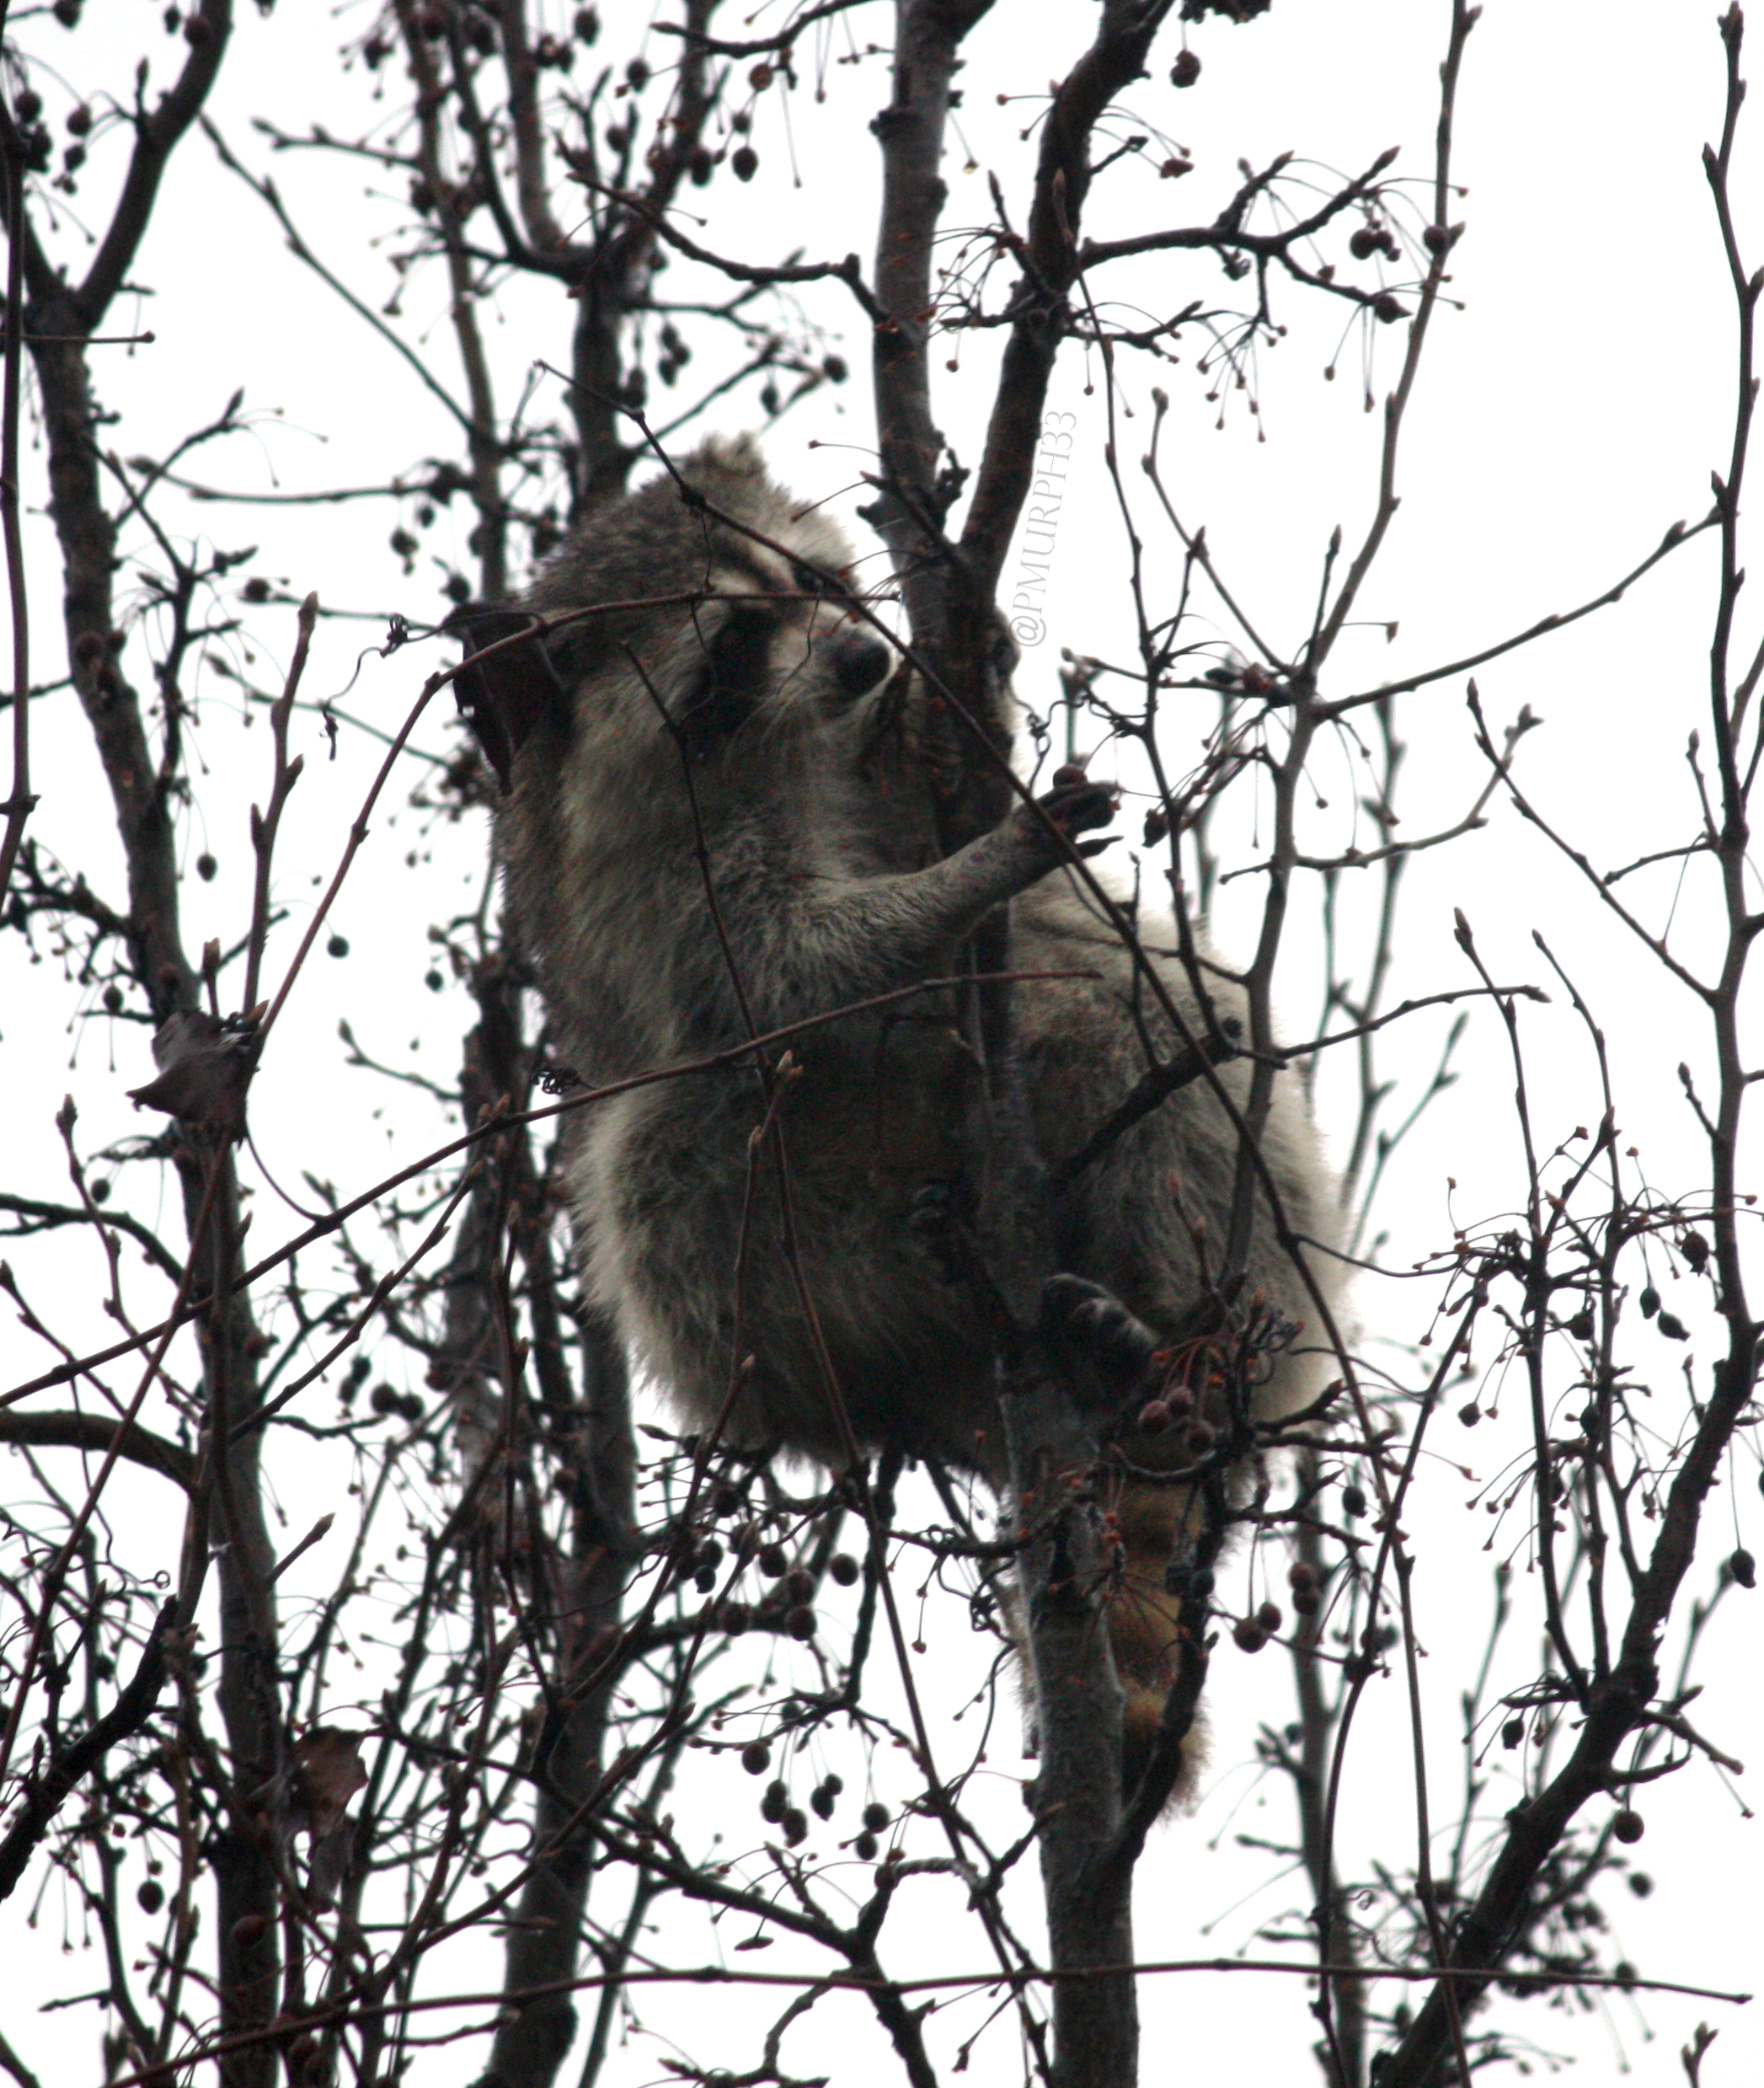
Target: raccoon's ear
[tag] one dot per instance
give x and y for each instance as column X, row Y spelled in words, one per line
column 505, row 695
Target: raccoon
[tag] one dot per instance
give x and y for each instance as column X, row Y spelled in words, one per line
column 707, row 834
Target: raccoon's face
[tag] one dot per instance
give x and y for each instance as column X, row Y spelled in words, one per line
column 672, row 618
column 775, row 645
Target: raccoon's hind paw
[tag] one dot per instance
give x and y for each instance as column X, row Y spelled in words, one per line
column 1118, row 1345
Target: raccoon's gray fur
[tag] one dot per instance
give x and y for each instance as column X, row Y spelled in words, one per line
column 725, row 705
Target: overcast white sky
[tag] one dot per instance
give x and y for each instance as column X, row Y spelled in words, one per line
column 1570, row 411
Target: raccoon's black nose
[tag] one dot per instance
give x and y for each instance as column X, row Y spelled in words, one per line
column 860, row 660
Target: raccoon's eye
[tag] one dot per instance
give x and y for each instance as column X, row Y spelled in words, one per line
column 808, row 581
column 735, row 675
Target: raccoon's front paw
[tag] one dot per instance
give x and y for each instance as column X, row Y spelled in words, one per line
column 1074, row 806
column 1118, row 1345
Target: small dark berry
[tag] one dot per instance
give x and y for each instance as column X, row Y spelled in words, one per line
column 205, row 867
column 1628, row 1826
column 587, row 24
column 755, row 1758
column 432, row 980
column 773, row 1805
column 800, row 1622
column 113, row 997
column 1248, row 1634
column 772, row 1561
column 865, row 1848
column 338, row 946
column 875, row 1817
column 1353, row 1501
column 1269, row 1617
column 795, row 1824
column 842, row 1568
column 820, row 1800
column 1186, row 69
column 1743, row 1568
column 150, row 1895
column 1640, row 1884
column 1649, row 1301
column 1512, row 1732
column 744, row 162
column 700, row 166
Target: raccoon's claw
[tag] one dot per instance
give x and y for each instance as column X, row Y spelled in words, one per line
column 1119, row 1344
